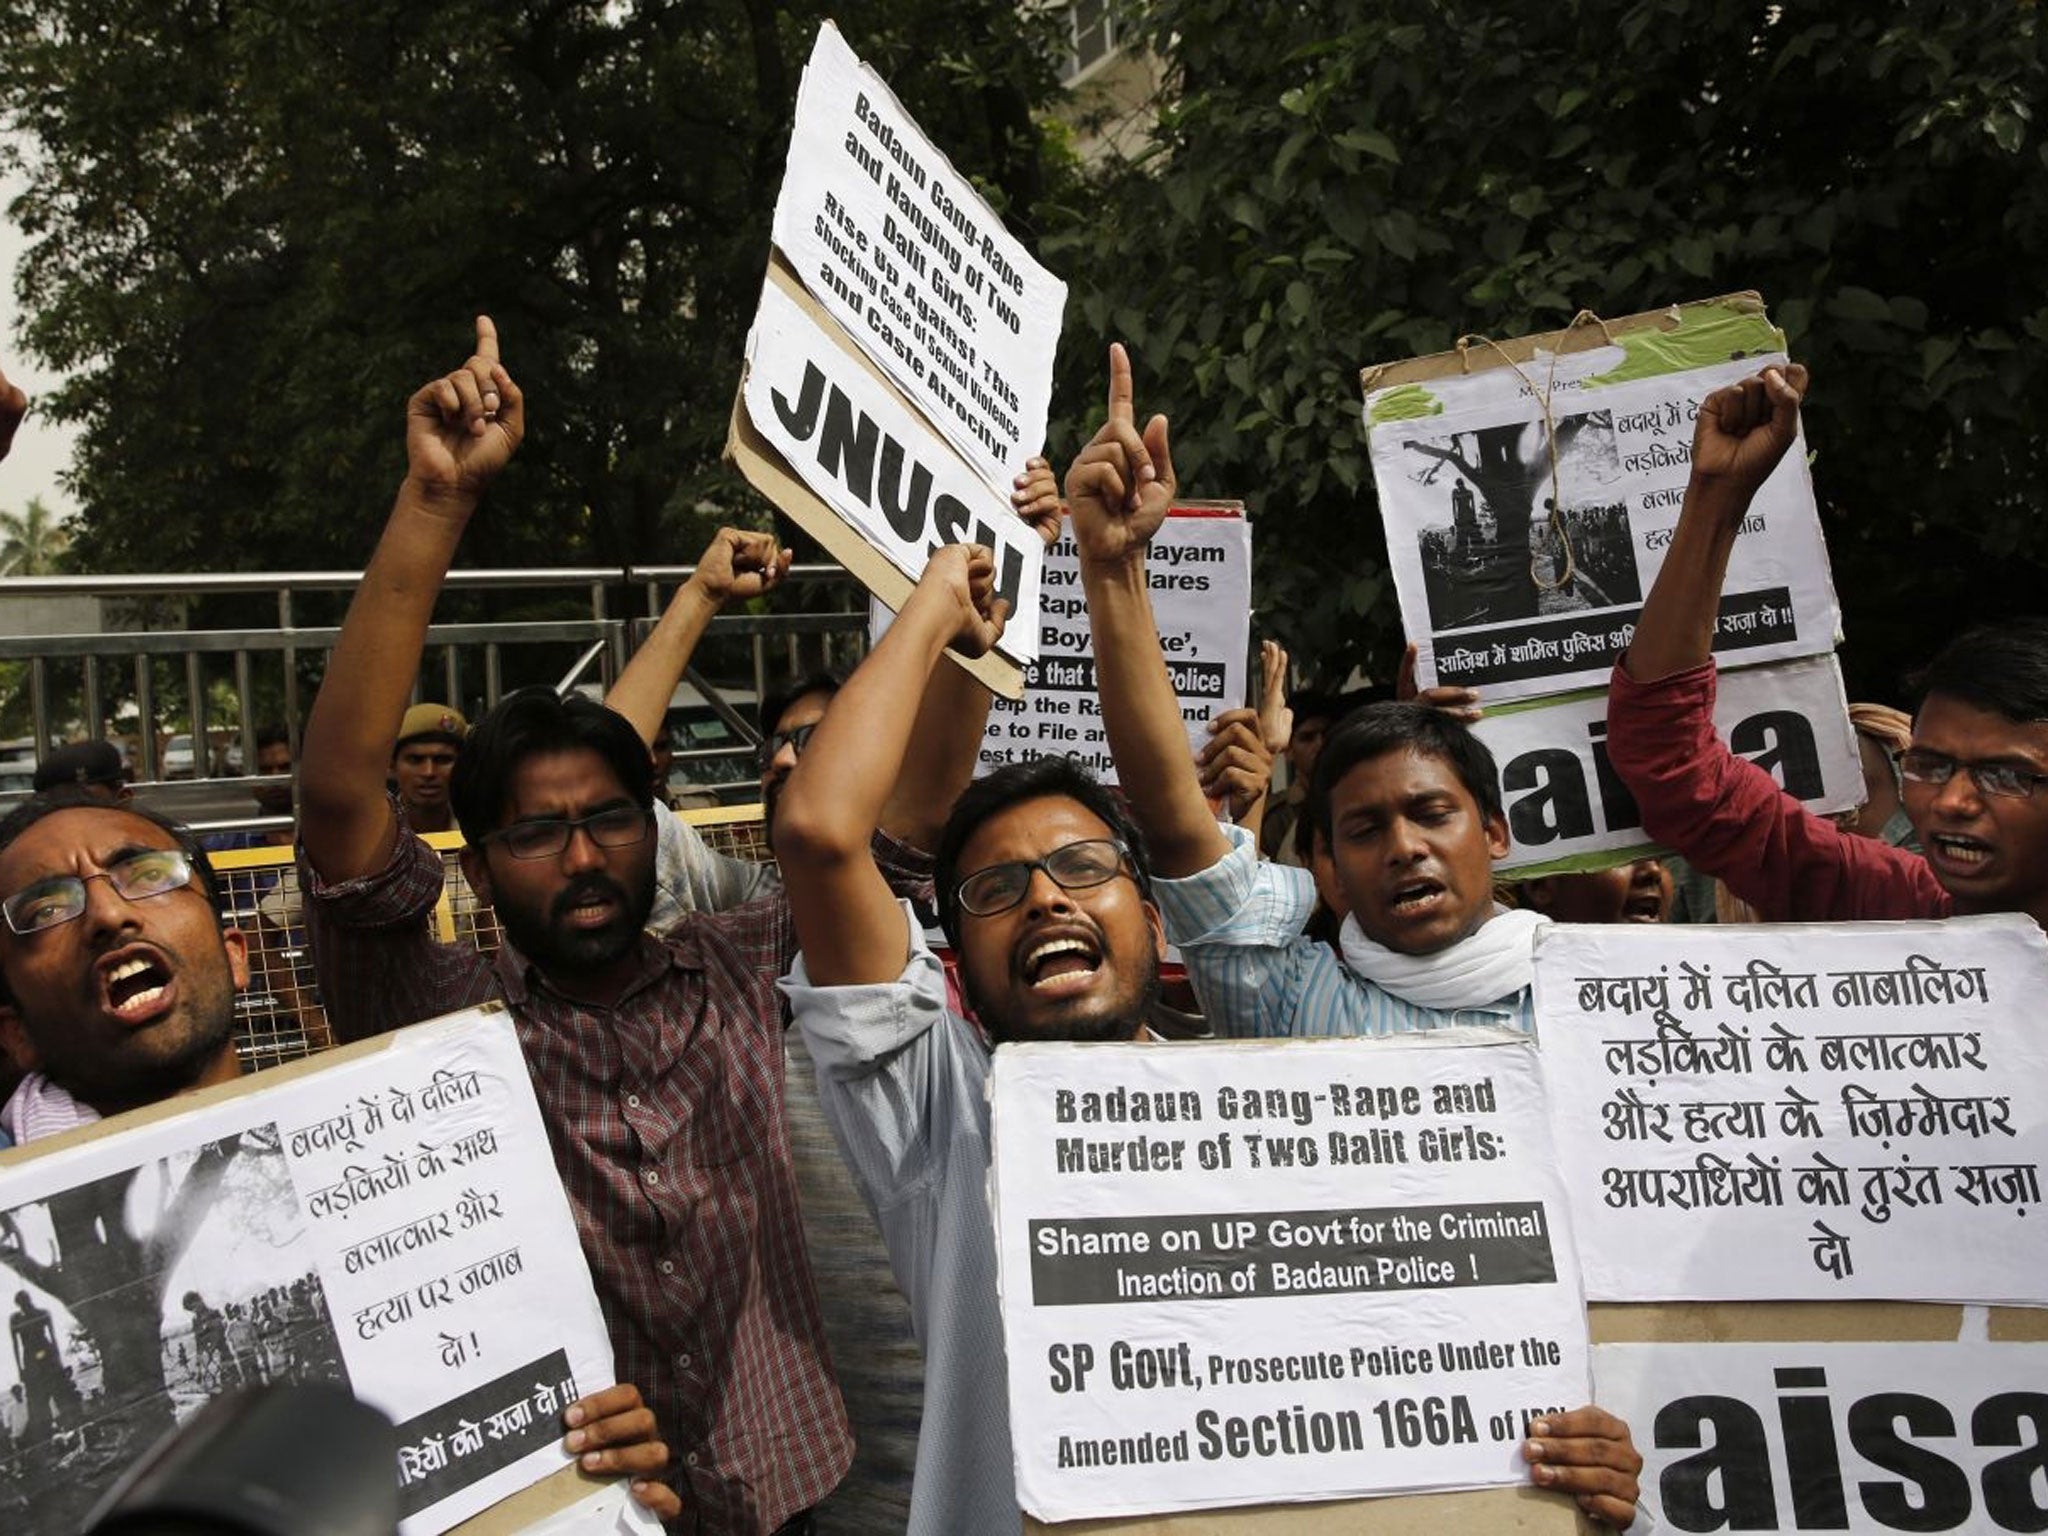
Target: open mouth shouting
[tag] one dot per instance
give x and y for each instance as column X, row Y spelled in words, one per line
column 1414, row 898
column 1059, row 964
column 1957, row 854
column 590, row 906
column 137, row 985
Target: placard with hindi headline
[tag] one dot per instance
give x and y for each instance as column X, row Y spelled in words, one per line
column 1251, row 1273
column 391, row 1222
column 1814, row 1111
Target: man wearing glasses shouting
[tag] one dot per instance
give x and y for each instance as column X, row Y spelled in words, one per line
column 656, row 1057
column 1972, row 780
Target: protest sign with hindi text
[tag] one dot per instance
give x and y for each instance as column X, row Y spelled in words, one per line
column 391, row 1222
column 1801, row 1111
column 1528, row 508
column 1270, row 1273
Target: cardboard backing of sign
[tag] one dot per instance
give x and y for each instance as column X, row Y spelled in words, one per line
column 1804, row 1322
column 1523, row 349
column 555, row 1492
column 1496, row 1511
column 770, row 474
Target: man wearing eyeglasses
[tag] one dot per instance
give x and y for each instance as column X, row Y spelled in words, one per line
column 656, row 1057
column 117, row 980
column 1974, row 779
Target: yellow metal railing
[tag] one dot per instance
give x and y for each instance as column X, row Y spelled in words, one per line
column 279, row 1013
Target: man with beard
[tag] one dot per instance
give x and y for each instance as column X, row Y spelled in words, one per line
column 1044, row 891
column 117, row 990
column 656, row 1059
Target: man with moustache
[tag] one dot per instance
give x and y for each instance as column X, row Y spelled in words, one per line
column 1045, row 894
column 1971, row 776
column 117, row 991
column 656, row 1058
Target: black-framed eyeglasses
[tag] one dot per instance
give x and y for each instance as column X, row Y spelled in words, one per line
column 2003, row 779
column 1072, row 867
column 620, row 827
column 796, row 739
column 60, row 898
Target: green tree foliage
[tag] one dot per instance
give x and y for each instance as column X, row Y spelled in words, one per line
column 259, row 228
column 1340, row 184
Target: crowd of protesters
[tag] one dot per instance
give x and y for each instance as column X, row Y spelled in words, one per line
column 766, row 1094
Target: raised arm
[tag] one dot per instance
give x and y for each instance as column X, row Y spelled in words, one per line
column 954, row 712
column 1118, row 493
column 847, row 923
column 459, row 432
column 738, row 563
column 1742, row 433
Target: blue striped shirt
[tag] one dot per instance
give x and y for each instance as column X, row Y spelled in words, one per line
column 1239, row 924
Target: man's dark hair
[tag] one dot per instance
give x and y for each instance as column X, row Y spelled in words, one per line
column 2001, row 668
column 1314, row 704
column 533, row 721
column 1037, row 778
column 78, row 797
column 273, row 736
column 1378, row 729
column 775, row 704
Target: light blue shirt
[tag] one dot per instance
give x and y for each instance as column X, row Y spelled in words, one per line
column 1239, row 924
column 904, row 1084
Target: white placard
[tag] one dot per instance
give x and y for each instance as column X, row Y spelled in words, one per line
column 1481, row 576
column 1564, row 801
column 1802, row 1111
column 1275, row 1272
column 1199, row 569
column 860, row 449
column 1863, row 1438
column 917, row 267
column 393, row 1223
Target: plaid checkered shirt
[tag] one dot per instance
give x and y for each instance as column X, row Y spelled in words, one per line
column 666, row 1119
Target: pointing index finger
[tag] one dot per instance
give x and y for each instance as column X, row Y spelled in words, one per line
column 486, row 339
column 1120, row 409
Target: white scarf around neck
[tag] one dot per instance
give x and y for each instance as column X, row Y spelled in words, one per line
column 1493, row 962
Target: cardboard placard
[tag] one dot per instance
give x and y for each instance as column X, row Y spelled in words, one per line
column 1529, row 490
column 749, row 451
column 386, row 1217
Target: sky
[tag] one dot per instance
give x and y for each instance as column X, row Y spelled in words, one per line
column 42, row 449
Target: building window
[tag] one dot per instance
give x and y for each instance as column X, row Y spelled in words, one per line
column 1091, row 38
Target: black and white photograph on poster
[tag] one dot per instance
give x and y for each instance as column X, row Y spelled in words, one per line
column 135, row 1298
column 390, row 1220
column 1567, row 809
column 1801, row 1111
column 1245, row 1273
column 1864, row 1438
column 1521, row 573
column 1505, row 548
